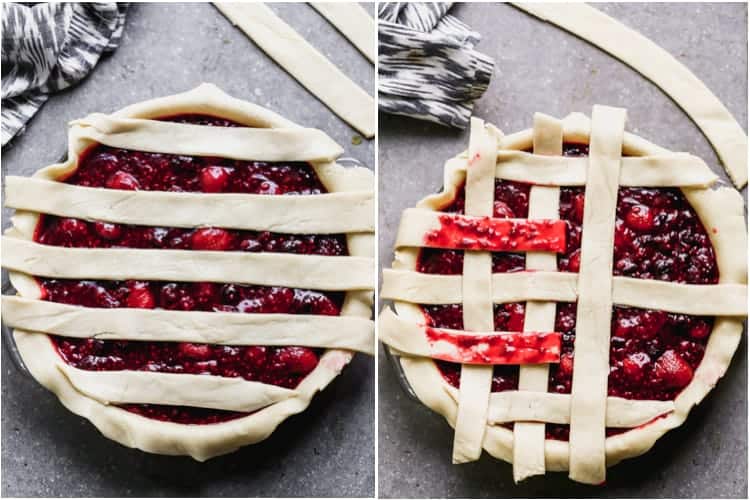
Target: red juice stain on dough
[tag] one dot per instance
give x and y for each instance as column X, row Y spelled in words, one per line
column 658, row 235
column 501, row 349
column 493, row 234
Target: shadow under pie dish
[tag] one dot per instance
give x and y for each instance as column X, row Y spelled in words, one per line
column 554, row 336
column 195, row 271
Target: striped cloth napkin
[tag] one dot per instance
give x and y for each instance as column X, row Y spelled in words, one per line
column 428, row 68
column 48, row 47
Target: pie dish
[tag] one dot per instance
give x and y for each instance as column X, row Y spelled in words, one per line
column 554, row 336
column 195, row 271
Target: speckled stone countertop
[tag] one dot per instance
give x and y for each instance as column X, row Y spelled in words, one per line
column 327, row 450
column 542, row 68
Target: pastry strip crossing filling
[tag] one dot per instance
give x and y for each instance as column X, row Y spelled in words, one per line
column 311, row 68
column 663, row 170
column 481, row 348
column 329, row 213
column 587, row 409
column 591, row 362
column 239, row 143
column 272, row 269
column 723, row 299
column 553, row 408
column 476, row 381
column 181, row 389
column 544, row 202
column 227, row 328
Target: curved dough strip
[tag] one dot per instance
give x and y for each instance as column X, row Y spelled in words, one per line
column 332, row 332
column 659, row 66
column 181, row 389
column 239, row 143
column 511, row 406
column 311, row 68
column 329, row 213
column 663, row 170
column 272, row 269
column 353, row 22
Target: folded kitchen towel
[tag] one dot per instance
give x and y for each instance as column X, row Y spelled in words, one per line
column 48, row 47
column 428, row 68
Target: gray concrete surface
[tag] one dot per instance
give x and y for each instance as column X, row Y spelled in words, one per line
column 326, row 451
column 541, row 68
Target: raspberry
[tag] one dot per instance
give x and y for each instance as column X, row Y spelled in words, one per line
column 122, row 180
column 214, row 179
column 209, row 238
column 140, row 296
column 673, row 371
column 640, row 218
column 108, row 231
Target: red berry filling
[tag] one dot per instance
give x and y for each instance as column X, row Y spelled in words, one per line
column 653, row 354
column 113, row 168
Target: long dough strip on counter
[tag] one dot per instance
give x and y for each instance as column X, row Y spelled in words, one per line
column 311, row 68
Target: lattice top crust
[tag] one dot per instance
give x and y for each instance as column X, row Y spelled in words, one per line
column 510, row 424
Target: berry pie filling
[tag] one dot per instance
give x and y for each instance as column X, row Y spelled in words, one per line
column 653, row 354
column 113, row 168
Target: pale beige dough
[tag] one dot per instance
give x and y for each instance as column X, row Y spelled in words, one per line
column 199, row 441
column 721, row 213
column 311, row 68
column 329, row 213
column 333, row 332
column 353, row 22
column 272, row 269
column 476, row 381
column 238, row 143
column 182, row 389
column 544, row 203
column 656, row 64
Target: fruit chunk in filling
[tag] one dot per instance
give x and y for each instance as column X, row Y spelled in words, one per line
column 113, row 168
column 653, row 354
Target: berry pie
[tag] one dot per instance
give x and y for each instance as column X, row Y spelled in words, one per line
column 193, row 274
column 571, row 293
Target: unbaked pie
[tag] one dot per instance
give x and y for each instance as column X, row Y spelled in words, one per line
column 569, row 295
column 193, row 274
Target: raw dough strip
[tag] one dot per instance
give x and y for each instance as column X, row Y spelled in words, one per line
column 659, row 66
column 330, row 213
column 353, row 22
column 458, row 346
column 239, row 143
column 476, row 381
column 724, row 299
column 311, row 68
column 544, row 202
column 180, row 389
column 588, row 405
column 428, row 228
column 552, row 408
column 663, row 170
column 273, row 269
column 227, row 328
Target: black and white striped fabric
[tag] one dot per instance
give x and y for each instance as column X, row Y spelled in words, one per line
column 48, row 47
column 428, row 68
